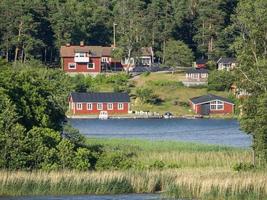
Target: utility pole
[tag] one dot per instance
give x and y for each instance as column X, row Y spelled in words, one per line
column 114, row 35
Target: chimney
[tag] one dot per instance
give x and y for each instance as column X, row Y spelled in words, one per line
column 81, row 43
column 68, row 45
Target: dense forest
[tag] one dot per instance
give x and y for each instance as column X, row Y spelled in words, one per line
column 37, row 28
column 33, row 99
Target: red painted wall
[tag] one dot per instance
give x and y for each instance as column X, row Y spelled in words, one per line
column 228, row 109
column 82, row 67
column 94, row 111
column 201, row 65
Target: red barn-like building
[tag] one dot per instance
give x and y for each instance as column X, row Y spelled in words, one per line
column 94, row 103
column 211, row 104
column 81, row 59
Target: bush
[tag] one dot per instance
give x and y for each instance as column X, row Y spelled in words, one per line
column 243, row 167
column 115, row 160
column 220, row 80
column 158, row 164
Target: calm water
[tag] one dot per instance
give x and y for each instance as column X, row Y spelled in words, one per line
column 89, row 197
column 209, row 131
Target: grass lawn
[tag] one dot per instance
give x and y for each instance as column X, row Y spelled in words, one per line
column 168, row 87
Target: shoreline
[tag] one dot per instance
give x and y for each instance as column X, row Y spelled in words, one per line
column 149, row 117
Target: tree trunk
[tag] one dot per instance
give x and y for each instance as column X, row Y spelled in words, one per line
column 164, row 50
column 7, row 55
column 17, row 47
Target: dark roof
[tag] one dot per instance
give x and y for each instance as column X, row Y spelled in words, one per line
column 100, row 97
column 197, row 71
column 201, row 61
column 226, row 60
column 209, row 97
column 69, row 51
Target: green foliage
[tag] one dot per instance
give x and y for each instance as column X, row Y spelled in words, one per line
column 243, row 167
column 250, row 47
column 220, row 80
column 146, row 95
column 158, row 164
column 115, row 160
column 82, row 159
column 178, row 54
column 73, row 135
column 211, row 65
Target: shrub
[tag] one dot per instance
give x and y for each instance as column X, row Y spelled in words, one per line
column 115, row 160
column 243, row 167
column 158, row 164
column 220, row 80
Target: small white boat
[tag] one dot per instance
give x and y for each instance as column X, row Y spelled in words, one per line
column 103, row 115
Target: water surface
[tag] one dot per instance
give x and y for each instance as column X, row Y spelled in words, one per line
column 208, row 131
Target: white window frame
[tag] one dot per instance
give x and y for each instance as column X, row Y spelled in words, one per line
column 99, row 106
column 80, row 55
column 120, row 106
column 214, row 105
column 89, row 106
column 110, row 106
column 69, row 64
column 79, row 106
column 90, row 67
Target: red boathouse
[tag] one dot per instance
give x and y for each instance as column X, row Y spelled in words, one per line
column 94, row 103
column 211, row 104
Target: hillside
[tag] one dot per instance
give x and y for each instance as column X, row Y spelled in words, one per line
column 169, row 89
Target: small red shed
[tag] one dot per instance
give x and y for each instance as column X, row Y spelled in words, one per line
column 211, row 104
column 93, row 103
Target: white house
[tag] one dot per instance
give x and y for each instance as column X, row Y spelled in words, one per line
column 226, row 64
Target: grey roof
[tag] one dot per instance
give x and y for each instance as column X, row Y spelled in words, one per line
column 201, row 61
column 197, row 71
column 209, row 97
column 100, row 97
column 226, row 60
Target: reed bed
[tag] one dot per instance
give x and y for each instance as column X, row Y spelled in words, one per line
column 179, row 154
column 186, row 183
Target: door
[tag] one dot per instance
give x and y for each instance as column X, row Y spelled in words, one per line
column 205, row 109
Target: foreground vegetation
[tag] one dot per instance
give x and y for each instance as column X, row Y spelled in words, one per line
column 179, row 170
column 206, row 184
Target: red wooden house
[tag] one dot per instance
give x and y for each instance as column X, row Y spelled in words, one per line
column 211, row 104
column 81, row 59
column 94, row 103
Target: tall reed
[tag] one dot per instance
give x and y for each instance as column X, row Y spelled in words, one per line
column 183, row 183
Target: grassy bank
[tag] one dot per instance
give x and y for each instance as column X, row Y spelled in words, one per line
column 176, row 169
column 186, row 183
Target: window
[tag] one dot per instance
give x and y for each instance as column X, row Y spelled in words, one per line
column 90, row 65
column 77, row 55
column 110, row 106
column 79, row 106
column 72, row 65
column 89, row 106
column 104, row 59
column 120, row 106
column 216, row 105
column 99, row 106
